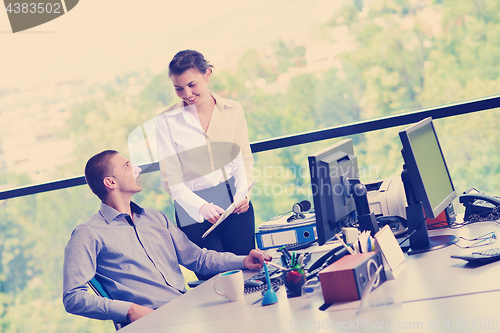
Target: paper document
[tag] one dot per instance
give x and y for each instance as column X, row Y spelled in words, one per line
column 282, row 223
column 229, row 210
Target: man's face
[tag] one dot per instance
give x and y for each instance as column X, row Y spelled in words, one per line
column 126, row 174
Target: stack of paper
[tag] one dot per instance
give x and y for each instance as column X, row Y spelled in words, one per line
column 229, row 210
column 282, row 223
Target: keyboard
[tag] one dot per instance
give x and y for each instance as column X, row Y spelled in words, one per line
column 481, row 257
column 275, row 275
column 300, row 246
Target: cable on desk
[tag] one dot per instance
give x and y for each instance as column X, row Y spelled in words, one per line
column 492, row 216
column 486, row 239
column 458, row 225
column 437, row 226
column 414, row 231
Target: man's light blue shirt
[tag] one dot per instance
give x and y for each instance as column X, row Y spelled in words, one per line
column 136, row 262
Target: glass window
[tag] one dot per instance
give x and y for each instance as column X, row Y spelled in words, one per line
column 86, row 81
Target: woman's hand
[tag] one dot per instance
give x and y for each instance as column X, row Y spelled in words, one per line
column 211, row 212
column 242, row 206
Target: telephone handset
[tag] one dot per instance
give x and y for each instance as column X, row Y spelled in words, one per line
column 476, row 202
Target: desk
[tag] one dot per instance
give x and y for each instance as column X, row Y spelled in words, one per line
column 435, row 293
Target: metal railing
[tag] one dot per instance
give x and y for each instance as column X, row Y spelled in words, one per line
column 482, row 104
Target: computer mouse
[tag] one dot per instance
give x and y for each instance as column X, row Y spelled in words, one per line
column 253, row 283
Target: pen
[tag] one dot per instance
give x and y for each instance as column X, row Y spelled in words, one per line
column 344, row 244
column 287, row 255
column 283, row 260
column 300, row 259
column 275, row 265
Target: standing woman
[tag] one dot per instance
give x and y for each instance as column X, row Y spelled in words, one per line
column 205, row 159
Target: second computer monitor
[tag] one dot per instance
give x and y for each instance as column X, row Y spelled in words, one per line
column 428, row 185
column 427, row 167
column 330, row 170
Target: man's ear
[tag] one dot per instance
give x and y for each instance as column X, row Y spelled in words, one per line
column 109, row 182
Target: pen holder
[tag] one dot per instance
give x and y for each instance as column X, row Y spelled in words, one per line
column 294, row 279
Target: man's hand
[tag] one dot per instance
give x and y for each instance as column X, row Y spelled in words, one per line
column 242, row 206
column 137, row 311
column 211, row 212
column 255, row 259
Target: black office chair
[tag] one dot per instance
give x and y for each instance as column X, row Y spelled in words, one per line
column 99, row 290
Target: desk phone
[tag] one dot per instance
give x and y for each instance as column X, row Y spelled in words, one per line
column 477, row 203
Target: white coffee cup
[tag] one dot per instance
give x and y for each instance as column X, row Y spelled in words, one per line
column 232, row 285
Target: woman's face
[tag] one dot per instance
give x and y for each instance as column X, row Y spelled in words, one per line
column 191, row 86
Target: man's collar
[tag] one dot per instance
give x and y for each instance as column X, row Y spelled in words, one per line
column 110, row 213
column 135, row 208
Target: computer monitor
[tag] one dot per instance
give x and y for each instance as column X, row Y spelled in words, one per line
column 427, row 184
column 330, row 171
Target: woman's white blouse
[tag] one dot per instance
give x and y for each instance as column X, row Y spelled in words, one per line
column 192, row 160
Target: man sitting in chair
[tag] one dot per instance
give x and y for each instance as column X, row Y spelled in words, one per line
column 134, row 252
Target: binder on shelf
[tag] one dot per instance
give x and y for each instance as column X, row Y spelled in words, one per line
column 278, row 237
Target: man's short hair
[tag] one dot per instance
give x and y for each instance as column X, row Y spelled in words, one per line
column 98, row 168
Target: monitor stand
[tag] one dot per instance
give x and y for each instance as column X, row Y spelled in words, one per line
column 366, row 219
column 417, row 228
column 420, row 241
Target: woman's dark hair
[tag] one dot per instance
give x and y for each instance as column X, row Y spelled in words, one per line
column 98, row 168
column 188, row 59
